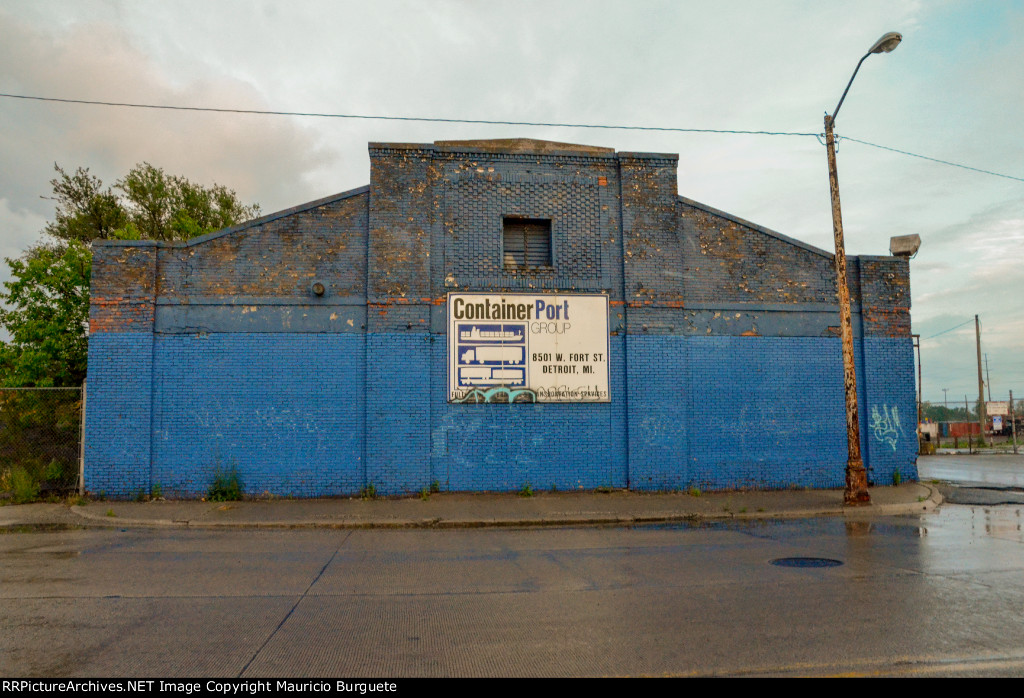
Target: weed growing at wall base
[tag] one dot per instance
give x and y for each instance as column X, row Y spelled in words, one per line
column 226, row 487
column 22, row 486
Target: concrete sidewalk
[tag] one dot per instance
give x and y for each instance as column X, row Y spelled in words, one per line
column 443, row 510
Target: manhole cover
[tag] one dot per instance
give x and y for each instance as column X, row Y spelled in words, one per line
column 806, row 562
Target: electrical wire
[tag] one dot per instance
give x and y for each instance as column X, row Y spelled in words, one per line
column 493, row 122
column 951, row 329
column 942, row 162
column 501, row 122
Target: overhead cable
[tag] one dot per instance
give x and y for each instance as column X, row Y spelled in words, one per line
column 495, row 122
column 951, row 329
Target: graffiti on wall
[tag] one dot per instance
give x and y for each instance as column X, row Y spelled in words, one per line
column 885, row 425
column 499, row 394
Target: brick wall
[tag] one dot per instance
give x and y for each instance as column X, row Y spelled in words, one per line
column 284, row 410
column 724, row 368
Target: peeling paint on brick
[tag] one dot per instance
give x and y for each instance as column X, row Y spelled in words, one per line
column 724, row 365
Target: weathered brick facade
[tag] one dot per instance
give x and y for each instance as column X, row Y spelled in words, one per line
column 724, row 359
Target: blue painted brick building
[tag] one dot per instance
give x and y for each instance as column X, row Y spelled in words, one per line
column 307, row 349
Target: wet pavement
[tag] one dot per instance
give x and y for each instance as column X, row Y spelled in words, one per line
column 935, row 593
column 981, row 470
column 983, row 479
column 727, row 584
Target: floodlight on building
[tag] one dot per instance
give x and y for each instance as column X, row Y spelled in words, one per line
column 904, row 245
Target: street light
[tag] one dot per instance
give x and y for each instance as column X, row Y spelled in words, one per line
column 856, row 477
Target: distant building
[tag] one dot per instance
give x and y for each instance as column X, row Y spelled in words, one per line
column 487, row 314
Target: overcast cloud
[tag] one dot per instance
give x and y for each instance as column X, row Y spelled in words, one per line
column 952, row 90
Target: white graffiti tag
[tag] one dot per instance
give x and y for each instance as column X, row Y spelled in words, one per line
column 885, row 425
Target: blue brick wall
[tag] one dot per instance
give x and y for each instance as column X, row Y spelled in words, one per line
column 736, row 412
column 284, row 410
column 767, row 412
column 118, row 417
column 724, row 369
column 502, row 447
column 290, row 412
column 888, row 415
column 658, row 400
column 398, row 388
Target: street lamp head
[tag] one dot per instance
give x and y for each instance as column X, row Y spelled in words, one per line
column 887, row 43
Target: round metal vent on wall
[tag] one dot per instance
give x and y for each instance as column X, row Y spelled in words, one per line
column 806, row 562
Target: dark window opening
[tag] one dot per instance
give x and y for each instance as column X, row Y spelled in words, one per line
column 526, row 243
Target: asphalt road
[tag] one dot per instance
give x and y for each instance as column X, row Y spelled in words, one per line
column 930, row 594
column 976, row 479
column 996, row 470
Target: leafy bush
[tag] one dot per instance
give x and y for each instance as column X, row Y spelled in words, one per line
column 23, row 486
column 39, row 433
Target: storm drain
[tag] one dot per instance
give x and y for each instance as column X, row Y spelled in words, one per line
column 806, row 562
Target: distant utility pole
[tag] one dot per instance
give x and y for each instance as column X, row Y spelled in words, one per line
column 988, row 378
column 1013, row 425
column 967, row 410
column 920, row 389
column 945, row 398
column 981, row 383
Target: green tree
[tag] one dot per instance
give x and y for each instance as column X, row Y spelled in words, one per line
column 941, row 413
column 166, row 207
column 47, row 317
column 45, row 307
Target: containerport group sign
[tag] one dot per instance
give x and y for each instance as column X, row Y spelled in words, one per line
column 523, row 348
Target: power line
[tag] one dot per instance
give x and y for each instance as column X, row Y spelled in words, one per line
column 925, row 157
column 950, row 329
column 498, row 122
column 493, row 122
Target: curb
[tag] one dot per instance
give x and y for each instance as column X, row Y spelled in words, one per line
column 925, row 503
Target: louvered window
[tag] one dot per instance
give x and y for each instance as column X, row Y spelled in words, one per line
column 526, row 243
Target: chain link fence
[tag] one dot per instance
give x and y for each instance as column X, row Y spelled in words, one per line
column 40, row 442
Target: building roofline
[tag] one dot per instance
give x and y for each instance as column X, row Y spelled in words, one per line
column 236, row 228
column 755, row 226
column 525, row 147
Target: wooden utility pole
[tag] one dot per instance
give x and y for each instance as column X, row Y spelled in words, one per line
column 920, row 388
column 967, row 411
column 856, row 492
column 988, row 379
column 981, row 383
column 1013, row 425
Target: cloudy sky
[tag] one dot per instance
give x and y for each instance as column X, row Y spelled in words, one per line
column 953, row 90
